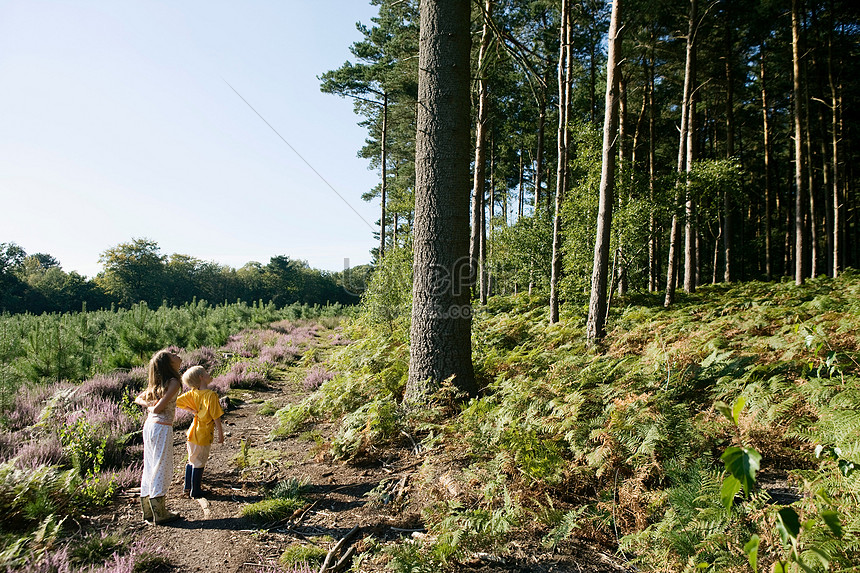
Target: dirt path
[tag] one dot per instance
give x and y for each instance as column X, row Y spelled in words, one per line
column 213, row 537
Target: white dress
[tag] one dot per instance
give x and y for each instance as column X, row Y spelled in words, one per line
column 158, row 452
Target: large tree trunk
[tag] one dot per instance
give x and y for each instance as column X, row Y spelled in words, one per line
column 440, row 335
column 684, row 141
column 564, row 67
column 479, row 180
column 798, row 145
column 595, row 327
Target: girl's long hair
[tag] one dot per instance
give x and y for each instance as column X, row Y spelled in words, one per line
column 161, row 372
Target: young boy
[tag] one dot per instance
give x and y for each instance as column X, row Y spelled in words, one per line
column 207, row 416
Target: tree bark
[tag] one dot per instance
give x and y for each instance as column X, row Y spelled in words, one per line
column 623, row 155
column 539, row 153
column 596, row 325
column 564, row 65
column 798, row 145
column 675, row 232
column 834, row 140
column 768, row 210
column 690, row 252
column 440, row 335
column 653, row 265
column 480, row 173
column 730, row 152
column 383, row 161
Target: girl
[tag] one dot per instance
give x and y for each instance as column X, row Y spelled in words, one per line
column 159, row 399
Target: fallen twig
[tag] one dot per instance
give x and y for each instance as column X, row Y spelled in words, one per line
column 334, row 550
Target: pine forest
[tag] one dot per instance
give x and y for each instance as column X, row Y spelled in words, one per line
column 612, row 322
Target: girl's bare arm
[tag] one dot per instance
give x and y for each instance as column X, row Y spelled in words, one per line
column 173, row 388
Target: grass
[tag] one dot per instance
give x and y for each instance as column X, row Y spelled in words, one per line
column 299, row 554
column 280, row 503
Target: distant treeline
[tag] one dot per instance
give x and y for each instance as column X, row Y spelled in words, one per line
column 137, row 272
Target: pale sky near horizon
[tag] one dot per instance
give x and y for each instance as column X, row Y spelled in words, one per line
column 117, row 122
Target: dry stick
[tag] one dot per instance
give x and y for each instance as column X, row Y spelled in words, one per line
column 344, row 561
column 344, row 540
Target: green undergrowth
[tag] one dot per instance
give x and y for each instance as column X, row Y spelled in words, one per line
column 279, row 503
column 628, row 443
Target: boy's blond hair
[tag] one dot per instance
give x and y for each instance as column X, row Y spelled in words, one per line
column 194, row 376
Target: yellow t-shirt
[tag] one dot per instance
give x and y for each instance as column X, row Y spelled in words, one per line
column 207, row 408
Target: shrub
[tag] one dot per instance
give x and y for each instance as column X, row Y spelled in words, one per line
column 46, row 451
column 271, row 510
column 315, row 377
column 299, row 555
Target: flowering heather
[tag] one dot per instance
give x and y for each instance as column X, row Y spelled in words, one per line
column 203, row 356
column 281, row 352
column 283, row 326
column 244, row 375
column 303, row 335
column 9, row 445
column 127, row 476
column 219, row 384
column 104, row 413
column 28, row 406
column 183, row 419
column 244, row 344
column 47, row 562
column 315, row 378
column 142, row 555
column 46, row 451
column 112, row 386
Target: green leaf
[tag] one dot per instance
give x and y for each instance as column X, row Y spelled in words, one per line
column 724, row 409
column 751, row 550
column 831, row 518
column 779, row 567
column 739, row 406
column 788, row 525
column 731, row 486
column 742, row 463
column 846, row 468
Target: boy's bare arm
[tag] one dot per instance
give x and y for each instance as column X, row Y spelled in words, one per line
column 220, row 430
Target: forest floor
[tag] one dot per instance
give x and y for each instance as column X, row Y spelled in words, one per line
column 213, row 536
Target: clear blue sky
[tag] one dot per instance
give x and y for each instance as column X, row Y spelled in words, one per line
column 116, row 123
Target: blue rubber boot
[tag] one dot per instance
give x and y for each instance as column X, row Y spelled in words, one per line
column 189, row 475
column 196, row 478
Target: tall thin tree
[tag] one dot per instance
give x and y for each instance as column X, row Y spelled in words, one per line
column 798, row 145
column 564, row 68
column 683, row 142
column 595, row 327
column 480, row 171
